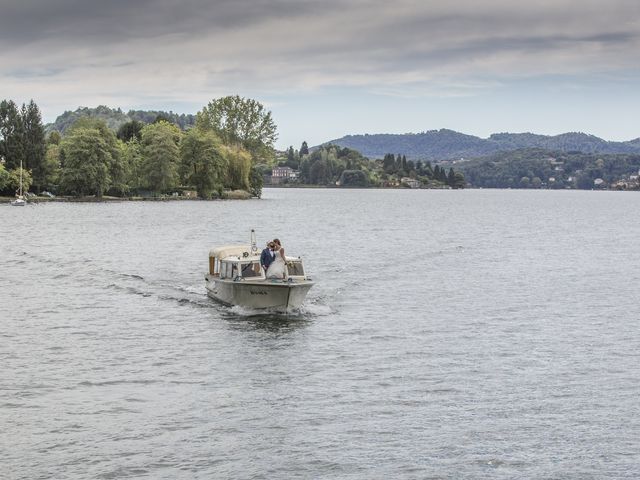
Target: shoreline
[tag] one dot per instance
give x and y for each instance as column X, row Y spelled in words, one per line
column 232, row 195
column 335, row 187
column 347, row 187
column 240, row 195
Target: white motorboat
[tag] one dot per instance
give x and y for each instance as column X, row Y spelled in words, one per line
column 236, row 278
column 20, row 200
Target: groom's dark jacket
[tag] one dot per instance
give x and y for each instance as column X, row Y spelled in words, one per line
column 266, row 258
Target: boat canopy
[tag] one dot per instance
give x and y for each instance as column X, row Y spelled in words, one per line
column 230, row 251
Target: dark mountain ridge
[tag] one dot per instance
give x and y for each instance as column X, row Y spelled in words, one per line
column 447, row 144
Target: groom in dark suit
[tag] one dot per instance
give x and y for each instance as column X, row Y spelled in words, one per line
column 267, row 256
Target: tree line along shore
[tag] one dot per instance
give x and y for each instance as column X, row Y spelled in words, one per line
column 158, row 159
column 228, row 152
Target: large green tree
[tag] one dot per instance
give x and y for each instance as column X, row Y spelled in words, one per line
column 34, row 143
column 239, row 171
column 87, row 160
column 240, row 121
column 51, row 166
column 11, row 135
column 204, row 162
column 320, row 173
column 131, row 152
column 119, row 173
column 116, row 170
column 160, row 156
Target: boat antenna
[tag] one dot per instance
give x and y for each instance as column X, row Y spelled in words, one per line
column 254, row 247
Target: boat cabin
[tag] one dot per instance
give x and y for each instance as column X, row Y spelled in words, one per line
column 239, row 262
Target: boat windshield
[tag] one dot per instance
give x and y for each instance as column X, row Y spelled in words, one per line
column 251, row 269
column 295, row 268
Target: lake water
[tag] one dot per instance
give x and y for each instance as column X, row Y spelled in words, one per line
column 451, row 334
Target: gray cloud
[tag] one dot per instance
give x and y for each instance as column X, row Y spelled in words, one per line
column 151, row 50
column 113, row 20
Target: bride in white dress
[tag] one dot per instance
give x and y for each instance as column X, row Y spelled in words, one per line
column 276, row 269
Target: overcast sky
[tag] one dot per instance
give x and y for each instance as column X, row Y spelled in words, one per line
column 335, row 67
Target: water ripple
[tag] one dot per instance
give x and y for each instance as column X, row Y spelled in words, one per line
column 479, row 334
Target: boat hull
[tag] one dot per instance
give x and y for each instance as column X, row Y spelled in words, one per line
column 260, row 294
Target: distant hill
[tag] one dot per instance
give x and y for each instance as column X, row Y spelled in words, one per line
column 114, row 118
column 449, row 145
column 538, row 168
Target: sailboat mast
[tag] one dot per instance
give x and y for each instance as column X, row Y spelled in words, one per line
column 20, row 177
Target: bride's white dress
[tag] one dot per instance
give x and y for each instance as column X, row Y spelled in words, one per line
column 276, row 269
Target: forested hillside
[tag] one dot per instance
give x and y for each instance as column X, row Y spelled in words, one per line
column 115, row 118
column 445, row 144
column 538, row 168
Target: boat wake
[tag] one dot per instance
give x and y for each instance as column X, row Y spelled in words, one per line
column 306, row 311
column 165, row 289
column 182, row 295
